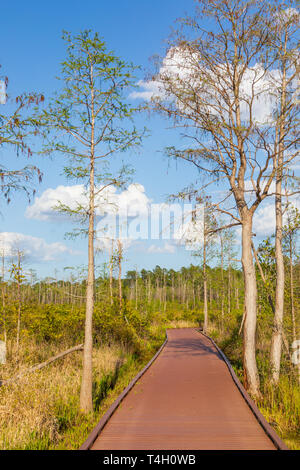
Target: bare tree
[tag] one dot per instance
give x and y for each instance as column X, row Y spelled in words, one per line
column 286, row 55
column 111, row 268
column 213, row 83
column 120, row 257
column 290, row 232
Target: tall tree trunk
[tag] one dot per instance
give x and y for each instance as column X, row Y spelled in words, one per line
column 173, row 290
column 86, row 402
column 194, row 296
column 165, row 292
column 183, row 292
column 229, row 290
column 111, row 272
column 249, row 328
column 3, row 298
column 136, row 289
column 120, row 274
column 205, row 325
column 86, row 398
column 276, row 341
column 157, row 289
column 237, row 298
column 149, row 289
column 131, row 291
column 19, row 318
column 19, row 302
column 292, row 290
column 294, row 331
column 222, row 280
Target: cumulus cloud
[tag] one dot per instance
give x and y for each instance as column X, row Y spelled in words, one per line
column 180, row 71
column 162, row 221
column 104, row 243
column 166, row 248
column 251, row 191
column 130, row 202
column 176, row 65
column 295, row 166
column 264, row 220
column 43, row 206
column 127, row 209
column 148, row 90
column 190, row 232
column 287, row 15
column 37, row 249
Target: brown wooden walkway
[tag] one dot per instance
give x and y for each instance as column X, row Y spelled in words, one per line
column 187, row 399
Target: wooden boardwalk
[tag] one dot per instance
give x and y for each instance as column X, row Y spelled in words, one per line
column 187, row 399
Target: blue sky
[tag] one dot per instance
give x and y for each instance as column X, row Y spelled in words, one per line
column 31, row 52
column 30, row 55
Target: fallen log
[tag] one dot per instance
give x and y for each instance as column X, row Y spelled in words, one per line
column 79, row 347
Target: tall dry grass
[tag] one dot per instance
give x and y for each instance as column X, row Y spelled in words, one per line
column 182, row 324
column 35, row 409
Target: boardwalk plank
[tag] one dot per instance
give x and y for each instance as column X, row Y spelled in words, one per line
column 185, row 400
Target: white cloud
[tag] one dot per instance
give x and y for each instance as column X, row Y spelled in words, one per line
column 43, row 206
column 190, row 233
column 175, row 65
column 126, row 204
column 264, row 220
column 130, row 202
column 289, row 14
column 180, row 70
column 166, row 248
column 33, row 247
column 149, row 89
column 104, row 243
column 295, row 166
column 251, row 191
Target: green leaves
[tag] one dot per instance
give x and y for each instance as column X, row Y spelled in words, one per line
column 90, row 115
column 17, row 128
column 17, row 273
column 90, row 119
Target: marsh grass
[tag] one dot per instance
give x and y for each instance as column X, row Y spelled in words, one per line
column 182, row 324
column 41, row 410
column 281, row 407
column 77, row 431
column 36, row 410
